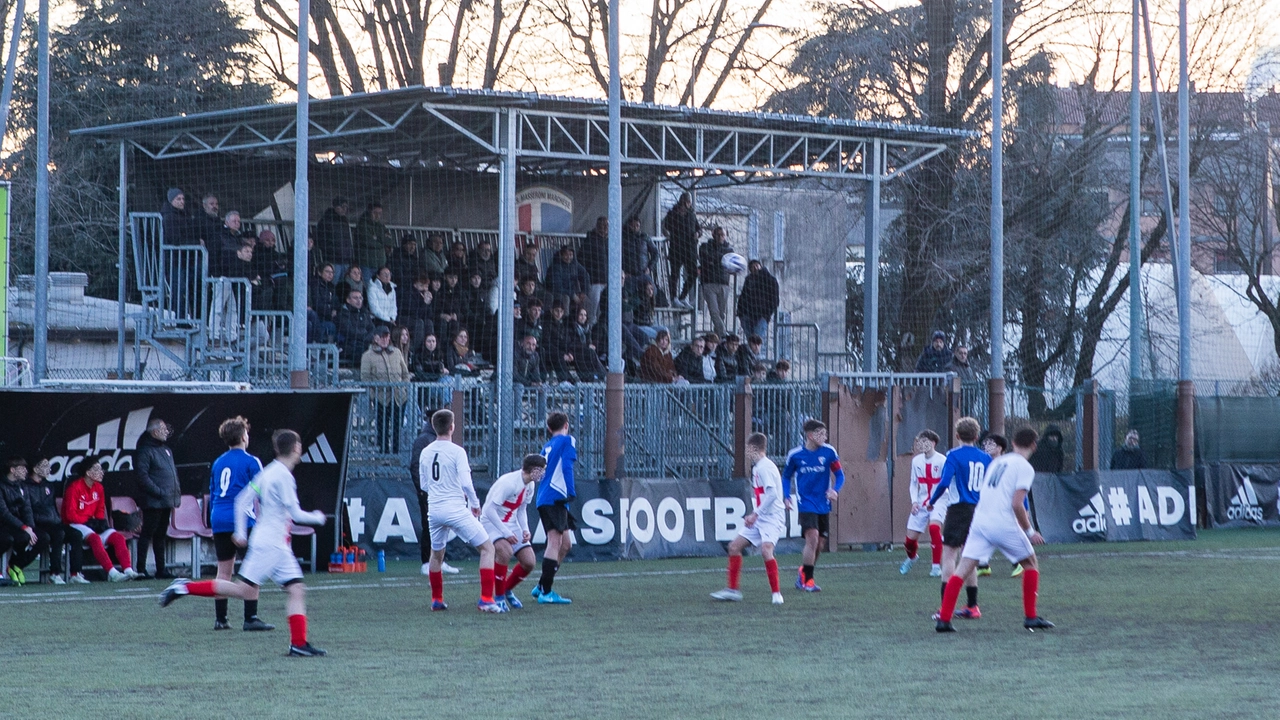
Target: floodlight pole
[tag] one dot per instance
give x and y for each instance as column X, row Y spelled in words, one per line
column 505, row 382
column 995, row 386
column 1135, row 202
column 871, row 263
column 1186, row 388
column 614, row 393
column 40, row 326
column 298, row 375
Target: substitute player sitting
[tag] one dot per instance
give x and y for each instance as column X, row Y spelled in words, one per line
column 1000, row 522
column 232, row 472
column 446, row 473
column 270, row 553
column 762, row 527
column 926, row 471
column 812, row 466
column 505, row 516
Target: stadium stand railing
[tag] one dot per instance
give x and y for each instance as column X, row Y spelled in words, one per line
column 17, row 372
column 779, row 410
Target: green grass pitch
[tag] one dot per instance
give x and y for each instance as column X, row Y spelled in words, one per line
column 1144, row 630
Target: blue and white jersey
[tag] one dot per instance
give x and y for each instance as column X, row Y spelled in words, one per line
column 812, row 470
column 561, row 452
column 231, row 473
column 964, row 469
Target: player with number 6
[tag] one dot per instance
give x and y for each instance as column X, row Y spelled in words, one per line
column 232, row 471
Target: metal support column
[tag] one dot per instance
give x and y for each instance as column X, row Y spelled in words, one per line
column 615, row 395
column 1186, row 388
column 1135, row 201
column 504, row 410
column 41, row 323
column 121, row 258
column 298, row 373
column 871, row 264
column 995, row 390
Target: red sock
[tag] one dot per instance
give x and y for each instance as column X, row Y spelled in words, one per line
column 499, row 579
column 1030, row 589
column 771, row 569
column 935, row 543
column 518, row 573
column 486, row 584
column 298, row 630
column 200, row 588
column 735, row 571
column 437, row 586
column 951, row 596
column 912, row 547
column 121, row 550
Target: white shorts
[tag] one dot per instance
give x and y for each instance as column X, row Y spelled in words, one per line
column 272, row 562
column 441, row 521
column 86, row 532
column 920, row 520
column 764, row 531
column 497, row 532
column 1010, row 541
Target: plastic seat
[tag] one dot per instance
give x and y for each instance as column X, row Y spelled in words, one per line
column 186, row 522
column 305, row 531
column 125, row 504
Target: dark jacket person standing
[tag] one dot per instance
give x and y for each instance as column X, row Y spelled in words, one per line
column 159, row 492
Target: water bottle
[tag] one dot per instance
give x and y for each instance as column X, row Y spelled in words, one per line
column 382, row 561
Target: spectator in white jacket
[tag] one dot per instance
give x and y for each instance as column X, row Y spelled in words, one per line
column 382, row 298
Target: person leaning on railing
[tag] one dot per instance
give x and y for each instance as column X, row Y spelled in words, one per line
column 384, row 365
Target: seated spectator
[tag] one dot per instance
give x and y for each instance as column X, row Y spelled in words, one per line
column 405, row 262
column 354, row 279
column 417, row 311
column 17, row 523
column 727, row 367
column 355, row 328
column 84, row 509
column 527, row 365
column 448, row 303
column 51, row 534
column 382, row 298
column 556, row 356
column 935, row 357
column 585, row 358
column 959, row 364
column 459, row 358
column 402, row 340
column 458, row 260
column 530, row 321
column 484, row 261
column 759, row 373
column 434, row 258
column 428, row 362
column 657, row 365
column 527, row 289
column 749, row 355
column 527, row 263
column 781, row 372
column 324, row 303
column 567, row 280
column 689, row 363
column 709, row 371
column 475, row 315
column 639, row 305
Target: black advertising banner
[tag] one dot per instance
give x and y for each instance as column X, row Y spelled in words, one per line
column 1114, row 505
column 627, row 519
column 70, row 427
column 1242, row 494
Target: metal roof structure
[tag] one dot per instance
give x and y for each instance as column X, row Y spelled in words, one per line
column 460, row 128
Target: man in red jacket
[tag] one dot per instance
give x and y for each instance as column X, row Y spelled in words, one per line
column 84, row 508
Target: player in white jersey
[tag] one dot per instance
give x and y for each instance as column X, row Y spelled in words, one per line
column 763, row 527
column 270, row 553
column 445, row 474
column 505, row 516
column 926, row 471
column 1000, row 522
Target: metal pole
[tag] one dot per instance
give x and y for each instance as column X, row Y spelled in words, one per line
column 871, row 265
column 995, row 390
column 1135, row 202
column 41, row 324
column 122, row 258
column 1186, row 388
column 505, row 414
column 614, row 393
column 298, row 373
column 1162, row 145
column 7, row 94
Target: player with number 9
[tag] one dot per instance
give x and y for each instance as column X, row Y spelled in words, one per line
column 232, row 471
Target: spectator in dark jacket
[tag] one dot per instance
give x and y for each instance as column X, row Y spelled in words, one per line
column 555, row 352
column 567, row 280
column 355, row 328
column 209, row 222
column 1048, row 457
column 333, row 236
column 458, row 260
column 459, row 358
column 595, row 259
column 682, row 230
column 586, row 360
column 353, row 280
column 1129, row 456
column 715, row 279
column 417, row 310
column 688, row 364
column 405, row 263
column 324, row 303
column 428, row 362
column 758, row 300
column 484, row 261
column 370, row 239
column 176, row 223
column 530, row 321
column 159, row 492
column 527, row 364
column 17, row 522
column 749, row 354
column 51, row 534
column 635, row 249
column 727, row 367
column 934, row 359
column 527, row 263
column 274, row 268
column 959, row 364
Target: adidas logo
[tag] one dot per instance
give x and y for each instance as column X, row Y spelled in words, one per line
column 104, row 444
column 1244, row 506
column 1093, row 517
column 320, row 452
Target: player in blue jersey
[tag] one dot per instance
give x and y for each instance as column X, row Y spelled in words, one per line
column 554, row 495
column 232, row 471
column 962, row 476
column 811, row 466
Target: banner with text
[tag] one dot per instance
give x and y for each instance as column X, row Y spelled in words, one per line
column 1242, row 494
column 1114, row 506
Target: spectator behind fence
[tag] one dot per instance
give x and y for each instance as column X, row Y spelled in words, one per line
column 657, row 365
column 355, row 328
column 715, row 279
column 371, row 240
column 273, row 268
column 595, row 259
column 959, row 364
column 459, row 357
column 748, row 355
column 781, row 372
column 759, row 373
column 17, row 523
column 51, row 534
column 315, row 258
column 1048, row 456
column 159, row 493
column 417, row 310
column 353, row 280
column 640, row 301
column 555, row 352
column 688, row 364
column 324, row 303
column 727, row 365
column 333, row 236
column 586, row 359
column 758, row 300
column 448, row 303
column 527, row 290
column 221, row 245
column 635, row 248
column 527, row 263
column 527, row 365
column 483, row 260
column 458, row 260
column 84, row 510
column 475, row 314
column 530, row 321
column 435, row 258
column 935, row 357
column 382, row 298
column 175, row 222
column 402, row 340
column 567, row 280
column 1129, row 456
column 682, row 230
column 208, row 223
column 383, row 363
column 428, row 361
column 405, row 262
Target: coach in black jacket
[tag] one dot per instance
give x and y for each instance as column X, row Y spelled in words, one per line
column 159, row 492
column 17, row 524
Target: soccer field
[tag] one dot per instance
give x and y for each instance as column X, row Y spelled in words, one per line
column 1155, row 630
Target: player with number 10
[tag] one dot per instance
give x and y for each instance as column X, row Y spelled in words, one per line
column 964, row 469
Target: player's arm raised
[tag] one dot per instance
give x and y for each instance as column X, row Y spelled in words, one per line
column 1024, row 521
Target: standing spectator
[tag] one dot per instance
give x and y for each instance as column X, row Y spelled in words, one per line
column 428, row 362
column 657, row 365
column 384, row 363
column 355, row 328
column 458, row 260
column 934, row 359
column 682, row 230
column 371, row 240
column 435, row 259
column 333, row 237
column 51, row 534
column 567, row 281
column 1129, row 456
column 688, row 364
column 959, row 365
column 84, row 511
column 758, row 300
column 555, row 343
column 527, row 365
column 417, row 310
column 382, row 298
column 324, row 303
column 17, row 522
column 273, row 268
column 179, row 228
column 1048, row 457
column 527, row 263
column 405, row 262
column 485, row 262
column 781, row 372
column 475, row 314
column 209, row 222
column 175, row 222
column 315, row 258
column 585, row 358
column 595, row 259
column 715, row 279
column 158, row 483
column 635, row 248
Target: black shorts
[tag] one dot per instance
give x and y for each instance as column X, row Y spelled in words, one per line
column 556, row 517
column 226, row 547
column 956, row 529
column 819, row 521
